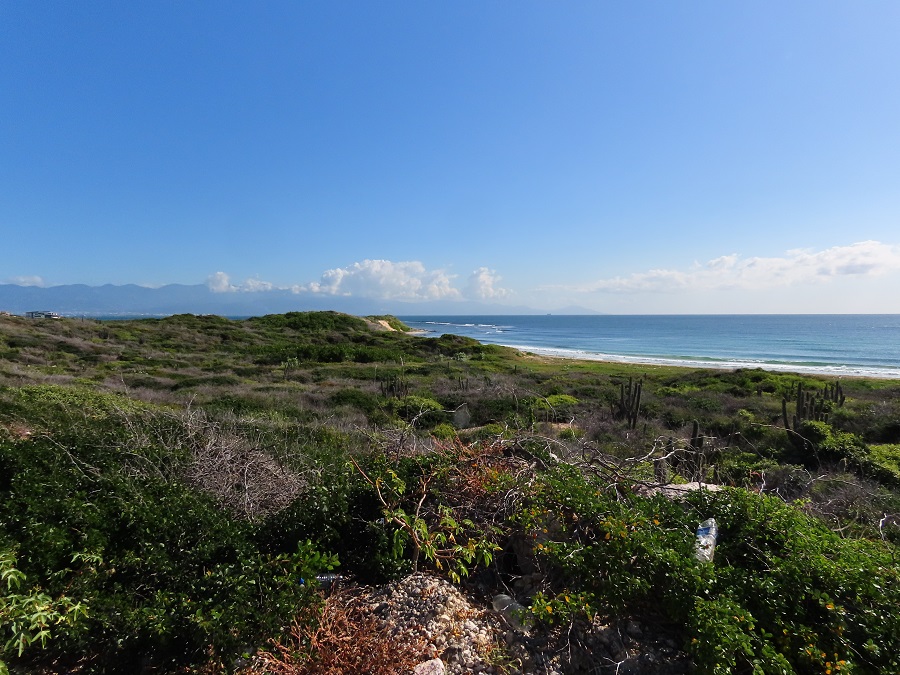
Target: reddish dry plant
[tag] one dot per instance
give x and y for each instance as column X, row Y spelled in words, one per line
column 474, row 480
column 16, row 431
column 345, row 638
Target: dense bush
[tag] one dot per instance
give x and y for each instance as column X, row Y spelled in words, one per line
column 362, row 400
column 341, row 515
column 162, row 574
column 555, row 407
column 784, row 594
column 309, row 322
column 424, row 411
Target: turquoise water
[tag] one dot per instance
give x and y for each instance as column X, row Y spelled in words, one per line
column 834, row 344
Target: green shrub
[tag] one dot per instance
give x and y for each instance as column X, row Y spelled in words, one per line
column 340, row 515
column 887, row 456
column 487, row 432
column 365, row 401
column 426, row 412
column 571, row 433
column 310, row 322
column 782, row 591
column 175, row 578
column 496, row 410
column 208, row 381
column 444, row 431
column 554, row 408
column 28, row 616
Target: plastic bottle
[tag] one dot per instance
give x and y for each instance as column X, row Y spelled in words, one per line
column 511, row 610
column 705, row 544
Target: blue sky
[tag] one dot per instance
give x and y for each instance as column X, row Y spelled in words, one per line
column 689, row 157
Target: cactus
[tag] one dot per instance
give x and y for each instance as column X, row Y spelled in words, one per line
column 834, row 393
column 784, row 415
column 661, row 465
column 395, row 386
column 630, row 401
column 809, row 406
column 696, row 438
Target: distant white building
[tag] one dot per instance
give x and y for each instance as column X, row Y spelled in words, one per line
column 41, row 315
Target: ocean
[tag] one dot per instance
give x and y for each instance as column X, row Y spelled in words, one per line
column 861, row 345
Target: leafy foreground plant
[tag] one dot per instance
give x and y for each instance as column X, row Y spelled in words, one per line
column 784, row 594
column 166, row 575
column 28, row 615
column 453, row 546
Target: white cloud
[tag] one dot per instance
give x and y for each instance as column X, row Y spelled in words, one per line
column 255, row 285
column 483, row 285
column 384, row 279
column 26, row 281
column 796, row 267
column 221, row 283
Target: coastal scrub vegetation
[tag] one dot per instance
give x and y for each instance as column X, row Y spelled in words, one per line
column 170, row 490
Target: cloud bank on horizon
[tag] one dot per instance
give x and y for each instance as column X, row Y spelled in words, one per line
column 27, row 281
column 865, row 270
column 384, row 279
column 733, row 272
column 412, row 281
column 381, row 280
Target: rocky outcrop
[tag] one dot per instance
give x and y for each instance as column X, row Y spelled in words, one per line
column 463, row 635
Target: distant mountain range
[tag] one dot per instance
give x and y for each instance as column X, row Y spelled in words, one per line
column 131, row 300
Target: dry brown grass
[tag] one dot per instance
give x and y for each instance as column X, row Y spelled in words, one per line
column 232, row 464
column 345, row 638
column 16, row 430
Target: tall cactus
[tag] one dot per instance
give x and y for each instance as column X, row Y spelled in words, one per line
column 696, row 438
column 630, row 401
column 835, row 393
column 395, row 386
column 809, row 406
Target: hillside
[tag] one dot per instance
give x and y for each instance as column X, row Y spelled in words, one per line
column 170, row 489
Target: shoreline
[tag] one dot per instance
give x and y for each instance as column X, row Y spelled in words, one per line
column 828, row 346
column 822, row 371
